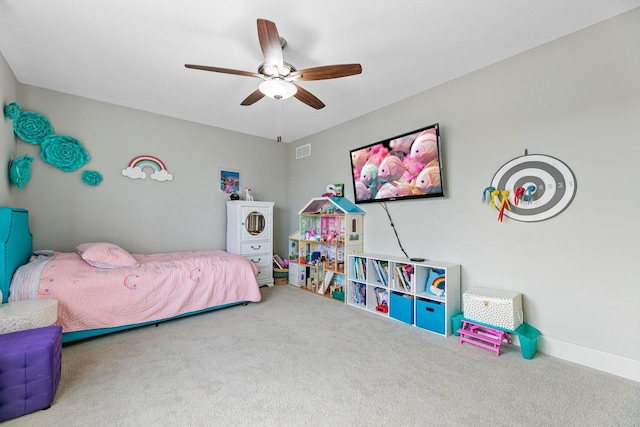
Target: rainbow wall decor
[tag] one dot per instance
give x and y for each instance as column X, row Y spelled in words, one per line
column 138, row 165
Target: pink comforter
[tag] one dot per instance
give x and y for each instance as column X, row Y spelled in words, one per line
column 164, row 286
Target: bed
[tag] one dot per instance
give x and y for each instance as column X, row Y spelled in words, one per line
column 101, row 288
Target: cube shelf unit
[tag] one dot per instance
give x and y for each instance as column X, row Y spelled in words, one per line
column 330, row 228
column 425, row 294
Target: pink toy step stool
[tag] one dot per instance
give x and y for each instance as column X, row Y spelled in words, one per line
column 483, row 336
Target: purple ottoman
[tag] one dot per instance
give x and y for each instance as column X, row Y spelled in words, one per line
column 30, row 367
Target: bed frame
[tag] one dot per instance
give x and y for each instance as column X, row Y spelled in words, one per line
column 16, row 248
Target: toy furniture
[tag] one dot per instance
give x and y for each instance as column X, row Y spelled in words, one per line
column 483, row 336
column 30, row 368
column 330, row 229
column 527, row 334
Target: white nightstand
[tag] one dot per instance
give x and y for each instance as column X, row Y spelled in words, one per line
column 31, row 314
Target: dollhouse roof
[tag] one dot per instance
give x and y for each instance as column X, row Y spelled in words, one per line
column 315, row 205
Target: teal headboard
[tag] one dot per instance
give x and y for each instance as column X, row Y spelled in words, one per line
column 15, row 244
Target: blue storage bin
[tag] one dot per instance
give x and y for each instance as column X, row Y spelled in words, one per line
column 401, row 307
column 430, row 315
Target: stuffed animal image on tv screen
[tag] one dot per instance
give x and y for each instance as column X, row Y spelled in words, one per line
column 407, row 166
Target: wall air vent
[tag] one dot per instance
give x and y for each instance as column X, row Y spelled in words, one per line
column 303, row 151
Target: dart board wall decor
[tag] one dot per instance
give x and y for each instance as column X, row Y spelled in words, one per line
column 538, row 187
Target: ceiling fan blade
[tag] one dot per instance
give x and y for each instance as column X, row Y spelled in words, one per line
column 270, row 44
column 327, row 72
column 222, row 70
column 253, row 98
column 308, row 98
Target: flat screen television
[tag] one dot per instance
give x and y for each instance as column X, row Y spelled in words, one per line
column 407, row 166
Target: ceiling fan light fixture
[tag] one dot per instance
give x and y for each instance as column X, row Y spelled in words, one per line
column 278, row 88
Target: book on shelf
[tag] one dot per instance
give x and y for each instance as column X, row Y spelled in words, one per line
column 360, row 268
column 407, row 273
column 278, row 262
column 407, row 276
column 359, row 293
column 379, row 272
column 384, row 268
column 401, row 281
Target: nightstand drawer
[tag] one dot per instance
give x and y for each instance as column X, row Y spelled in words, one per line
column 260, row 260
column 265, row 274
column 255, row 248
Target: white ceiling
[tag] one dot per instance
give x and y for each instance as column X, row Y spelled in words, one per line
column 132, row 52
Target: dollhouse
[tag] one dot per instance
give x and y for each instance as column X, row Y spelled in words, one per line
column 330, row 229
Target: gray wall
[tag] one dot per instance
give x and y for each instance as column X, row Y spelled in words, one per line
column 576, row 99
column 142, row 215
column 8, row 90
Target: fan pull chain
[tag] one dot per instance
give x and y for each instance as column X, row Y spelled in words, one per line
column 279, row 120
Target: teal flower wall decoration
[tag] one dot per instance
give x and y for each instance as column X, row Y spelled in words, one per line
column 20, row 171
column 29, row 126
column 32, row 127
column 64, row 152
column 91, row 177
column 12, row 111
column 61, row 151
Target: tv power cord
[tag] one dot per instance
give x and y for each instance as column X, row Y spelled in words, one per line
column 384, row 206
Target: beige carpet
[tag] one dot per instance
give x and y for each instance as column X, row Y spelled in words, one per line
column 296, row 359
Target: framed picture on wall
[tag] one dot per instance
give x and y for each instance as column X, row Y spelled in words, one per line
column 229, row 181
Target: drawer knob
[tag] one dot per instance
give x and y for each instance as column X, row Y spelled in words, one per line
column 255, row 248
column 254, row 261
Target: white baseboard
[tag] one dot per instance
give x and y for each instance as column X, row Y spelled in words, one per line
column 596, row 359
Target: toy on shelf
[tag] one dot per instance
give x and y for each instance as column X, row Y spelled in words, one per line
column 436, row 282
column 382, row 306
column 330, row 191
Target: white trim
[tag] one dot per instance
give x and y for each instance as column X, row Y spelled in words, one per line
column 596, row 359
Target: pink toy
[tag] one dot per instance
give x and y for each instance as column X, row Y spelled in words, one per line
column 332, row 236
column 483, row 336
column 248, row 196
column 330, row 191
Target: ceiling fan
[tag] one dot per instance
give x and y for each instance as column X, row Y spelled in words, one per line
column 278, row 76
